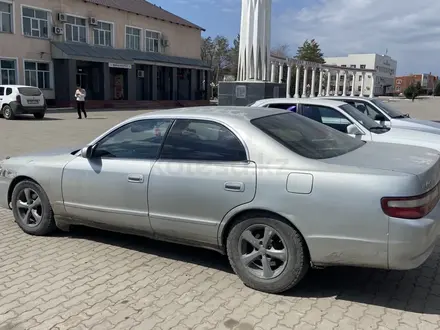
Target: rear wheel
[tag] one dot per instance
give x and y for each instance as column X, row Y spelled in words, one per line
column 39, row 115
column 7, row 112
column 267, row 254
column 31, row 209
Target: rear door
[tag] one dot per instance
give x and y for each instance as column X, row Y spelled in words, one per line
column 31, row 96
column 203, row 172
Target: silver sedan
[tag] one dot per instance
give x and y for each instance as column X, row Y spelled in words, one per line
column 277, row 192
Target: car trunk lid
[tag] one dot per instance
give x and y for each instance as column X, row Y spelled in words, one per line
column 31, row 96
column 419, row 161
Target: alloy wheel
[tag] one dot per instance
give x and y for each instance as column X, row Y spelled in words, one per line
column 262, row 251
column 29, row 207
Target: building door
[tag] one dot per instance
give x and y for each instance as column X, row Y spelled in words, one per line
column 81, row 80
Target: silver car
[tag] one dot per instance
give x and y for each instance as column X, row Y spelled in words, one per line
column 347, row 119
column 388, row 115
column 275, row 191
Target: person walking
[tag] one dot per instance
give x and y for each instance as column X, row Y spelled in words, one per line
column 80, row 95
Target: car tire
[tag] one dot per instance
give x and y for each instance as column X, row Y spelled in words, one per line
column 39, row 115
column 7, row 112
column 276, row 279
column 32, row 210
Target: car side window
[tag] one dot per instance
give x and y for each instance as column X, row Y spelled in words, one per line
column 141, row 139
column 2, row 91
column 201, row 140
column 285, row 106
column 8, row 91
column 327, row 116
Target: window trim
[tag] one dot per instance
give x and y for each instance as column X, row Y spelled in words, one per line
column 219, row 122
column 16, row 68
column 159, row 49
column 51, row 73
column 49, row 21
column 86, row 26
column 112, row 34
column 141, row 34
column 95, row 144
column 12, row 3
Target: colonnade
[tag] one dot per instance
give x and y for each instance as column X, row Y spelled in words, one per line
column 329, row 70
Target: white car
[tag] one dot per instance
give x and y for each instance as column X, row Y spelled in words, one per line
column 20, row 100
column 386, row 114
column 347, row 119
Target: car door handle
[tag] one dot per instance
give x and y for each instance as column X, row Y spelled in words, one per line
column 234, row 186
column 136, row 178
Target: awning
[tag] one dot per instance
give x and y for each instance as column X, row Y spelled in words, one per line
column 86, row 52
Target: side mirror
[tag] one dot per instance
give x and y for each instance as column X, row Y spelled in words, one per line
column 379, row 117
column 353, row 130
column 86, row 152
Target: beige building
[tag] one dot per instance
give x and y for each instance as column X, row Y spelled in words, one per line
column 118, row 50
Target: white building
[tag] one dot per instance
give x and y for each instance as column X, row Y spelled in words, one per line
column 385, row 73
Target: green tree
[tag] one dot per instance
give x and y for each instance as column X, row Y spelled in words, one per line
column 310, row 51
column 233, row 56
column 413, row 90
column 437, row 89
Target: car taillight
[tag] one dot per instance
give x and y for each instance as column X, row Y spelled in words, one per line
column 18, row 99
column 414, row 207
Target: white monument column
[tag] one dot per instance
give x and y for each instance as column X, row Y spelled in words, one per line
column 304, row 93
column 362, row 84
column 372, row 85
column 289, row 80
column 337, row 84
column 272, row 72
column 321, row 76
column 344, row 88
column 297, row 81
column 281, row 73
column 353, row 83
column 312, row 88
column 329, row 77
column 254, row 51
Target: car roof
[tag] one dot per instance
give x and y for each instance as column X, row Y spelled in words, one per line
column 18, row 86
column 349, row 97
column 314, row 101
column 213, row 112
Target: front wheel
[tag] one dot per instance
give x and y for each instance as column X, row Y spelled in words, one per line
column 32, row 210
column 267, row 254
column 7, row 112
column 39, row 115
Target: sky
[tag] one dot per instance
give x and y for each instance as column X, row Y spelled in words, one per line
column 408, row 29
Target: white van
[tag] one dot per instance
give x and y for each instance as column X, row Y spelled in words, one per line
column 20, row 100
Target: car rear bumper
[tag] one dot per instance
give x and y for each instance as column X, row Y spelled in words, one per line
column 20, row 109
column 411, row 242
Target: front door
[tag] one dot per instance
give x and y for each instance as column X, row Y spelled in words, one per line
column 202, row 174
column 110, row 188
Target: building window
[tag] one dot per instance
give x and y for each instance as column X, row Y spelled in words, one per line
column 8, row 72
column 343, row 66
column 360, row 78
column 102, row 34
column 132, row 38
column 359, row 88
column 353, row 66
column 37, row 74
column 5, row 17
column 75, row 29
column 398, row 81
column 398, row 88
column 35, row 22
column 152, row 41
column 363, row 66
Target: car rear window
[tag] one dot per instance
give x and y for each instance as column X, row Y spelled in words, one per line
column 29, row 91
column 306, row 137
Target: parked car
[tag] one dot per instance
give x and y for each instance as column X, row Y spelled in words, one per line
column 388, row 115
column 275, row 191
column 20, row 100
column 347, row 119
